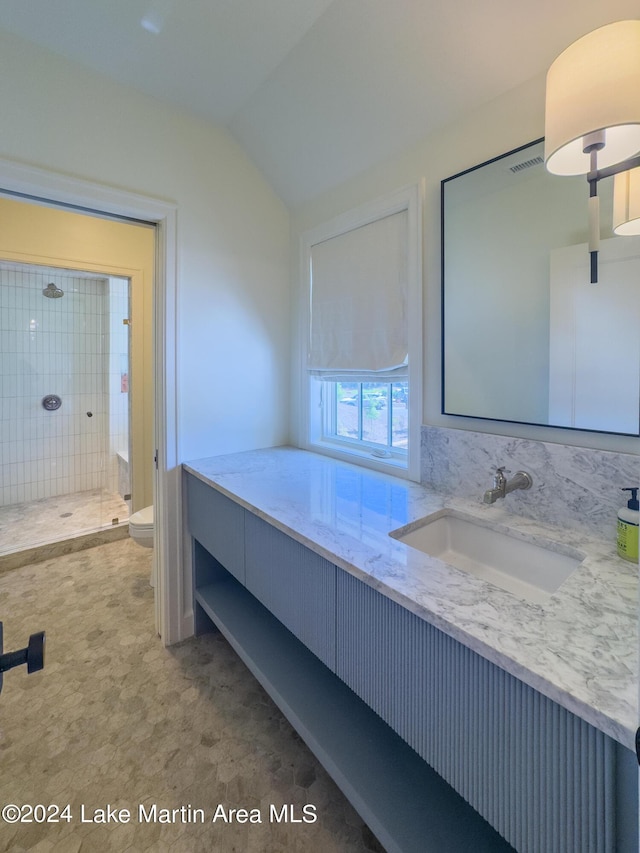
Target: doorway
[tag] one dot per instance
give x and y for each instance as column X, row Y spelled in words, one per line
column 45, row 188
column 76, row 401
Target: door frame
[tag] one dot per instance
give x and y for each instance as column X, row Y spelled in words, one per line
column 48, row 188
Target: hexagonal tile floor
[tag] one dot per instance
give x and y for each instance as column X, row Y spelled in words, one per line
column 146, row 745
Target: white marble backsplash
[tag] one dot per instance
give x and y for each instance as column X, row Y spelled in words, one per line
column 573, row 487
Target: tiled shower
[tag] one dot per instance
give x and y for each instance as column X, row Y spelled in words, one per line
column 64, row 403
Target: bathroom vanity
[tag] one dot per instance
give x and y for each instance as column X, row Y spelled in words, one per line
column 454, row 715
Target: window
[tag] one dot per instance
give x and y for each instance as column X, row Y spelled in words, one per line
column 363, row 329
column 375, row 414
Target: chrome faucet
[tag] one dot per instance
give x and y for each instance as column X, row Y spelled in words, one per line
column 502, row 486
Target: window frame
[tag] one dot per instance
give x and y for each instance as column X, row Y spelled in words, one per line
column 310, row 422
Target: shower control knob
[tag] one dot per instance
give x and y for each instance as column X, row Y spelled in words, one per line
column 89, row 414
column 51, row 402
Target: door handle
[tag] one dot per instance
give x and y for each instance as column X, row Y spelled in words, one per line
column 32, row 655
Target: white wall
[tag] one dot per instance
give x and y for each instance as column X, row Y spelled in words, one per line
column 509, row 121
column 233, row 234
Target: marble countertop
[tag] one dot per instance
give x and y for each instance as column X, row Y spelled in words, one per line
column 579, row 647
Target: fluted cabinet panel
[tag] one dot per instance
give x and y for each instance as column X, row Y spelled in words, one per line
column 544, row 778
column 295, row 584
column 217, row 523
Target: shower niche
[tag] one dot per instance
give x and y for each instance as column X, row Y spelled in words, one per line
column 64, row 404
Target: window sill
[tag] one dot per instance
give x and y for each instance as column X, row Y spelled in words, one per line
column 399, row 467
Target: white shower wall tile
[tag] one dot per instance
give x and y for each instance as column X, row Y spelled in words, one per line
column 573, row 487
column 51, row 346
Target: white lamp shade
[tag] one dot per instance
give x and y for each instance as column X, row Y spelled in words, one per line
column 626, row 203
column 594, row 85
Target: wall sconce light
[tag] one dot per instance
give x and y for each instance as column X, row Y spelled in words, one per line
column 626, row 203
column 592, row 119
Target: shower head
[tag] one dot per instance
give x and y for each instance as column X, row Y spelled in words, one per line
column 52, row 291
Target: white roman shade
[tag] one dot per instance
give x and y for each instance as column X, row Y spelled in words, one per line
column 358, row 328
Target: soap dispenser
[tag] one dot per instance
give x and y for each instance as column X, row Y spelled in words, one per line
column 628, row 520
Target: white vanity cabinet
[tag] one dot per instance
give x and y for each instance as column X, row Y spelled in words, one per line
column 436, row 747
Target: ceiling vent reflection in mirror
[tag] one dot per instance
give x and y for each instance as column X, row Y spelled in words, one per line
column 526, row 164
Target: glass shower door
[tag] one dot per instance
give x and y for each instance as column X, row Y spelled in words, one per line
column 117, row 491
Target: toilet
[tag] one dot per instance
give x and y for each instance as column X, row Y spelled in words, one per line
column 141, row 527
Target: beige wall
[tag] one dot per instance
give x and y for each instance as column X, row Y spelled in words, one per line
column 30, row 233
column 513, row 119
column 233, row 234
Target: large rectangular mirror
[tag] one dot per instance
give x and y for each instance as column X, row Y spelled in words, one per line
column 525, row 337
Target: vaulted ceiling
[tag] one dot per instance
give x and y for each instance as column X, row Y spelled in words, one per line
column 315, row 90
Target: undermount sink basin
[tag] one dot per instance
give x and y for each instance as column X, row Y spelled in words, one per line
column 526, row 568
